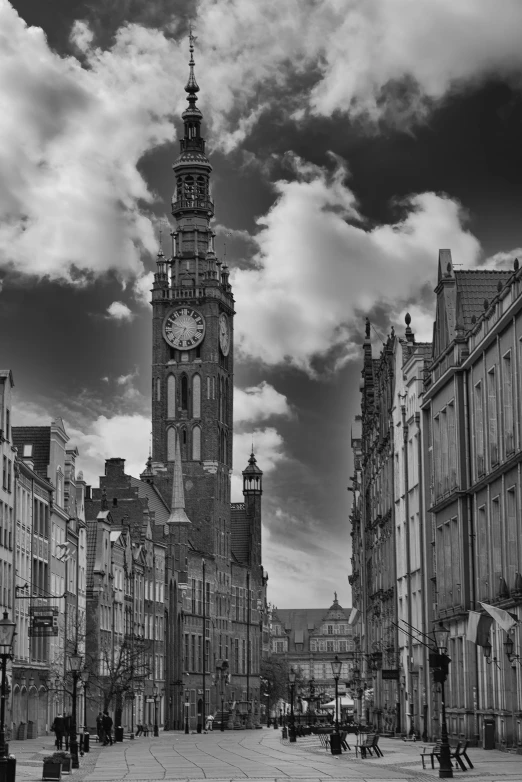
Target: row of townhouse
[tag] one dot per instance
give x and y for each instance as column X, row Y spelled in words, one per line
column 43, row 564
column 435, row 518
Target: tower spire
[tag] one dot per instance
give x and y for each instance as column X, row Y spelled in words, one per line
column 192, row 85
column 177, row 512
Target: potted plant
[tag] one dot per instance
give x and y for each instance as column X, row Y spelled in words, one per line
column 65, row 759
column 52, row 767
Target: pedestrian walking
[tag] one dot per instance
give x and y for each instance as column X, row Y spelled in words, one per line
column 208, row 724
column 67, row 729
column 99, row 728
column 58, row 728
column 107, row 728
column 139, row 730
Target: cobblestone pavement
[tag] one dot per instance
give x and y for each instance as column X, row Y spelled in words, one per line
column 253, row 755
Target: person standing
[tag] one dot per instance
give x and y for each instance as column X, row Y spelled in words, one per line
column 107, row 728
column 99, row 728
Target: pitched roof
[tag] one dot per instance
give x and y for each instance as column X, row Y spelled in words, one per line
column 157, row 504
column 240, row 532
column 474, row 286
column 301, row 623
column 40, row 438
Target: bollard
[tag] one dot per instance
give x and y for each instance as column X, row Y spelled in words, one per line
column 85, row 742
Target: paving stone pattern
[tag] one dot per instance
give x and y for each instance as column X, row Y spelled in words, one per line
column 254, row 755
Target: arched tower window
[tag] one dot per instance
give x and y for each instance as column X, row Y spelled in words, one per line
column 196, row 396
column 196, row 443
column 221, row 400
column 183, row 443
column 171, row 396
column 189, row 188
column 171, row 444
column 184, row 392
column 225, row 406
column 158, row 389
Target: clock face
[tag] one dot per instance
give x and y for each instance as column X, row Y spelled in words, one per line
column 184, row 328
column 224, row 334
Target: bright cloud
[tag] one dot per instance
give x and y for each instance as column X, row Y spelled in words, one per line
column 318, row 266
column 258, row 403
column 119, row 311
column 74, row 129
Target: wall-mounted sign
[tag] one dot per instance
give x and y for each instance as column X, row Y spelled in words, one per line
column 390, row 673
column 44, row 621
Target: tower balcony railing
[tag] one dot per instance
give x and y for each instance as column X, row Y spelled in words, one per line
column 193, row 203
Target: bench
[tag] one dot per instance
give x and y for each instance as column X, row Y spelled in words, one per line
column 456, row 754
column 370, row 745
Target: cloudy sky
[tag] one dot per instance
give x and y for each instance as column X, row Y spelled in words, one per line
column 350, row 139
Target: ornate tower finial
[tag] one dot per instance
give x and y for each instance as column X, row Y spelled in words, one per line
column 192, row 85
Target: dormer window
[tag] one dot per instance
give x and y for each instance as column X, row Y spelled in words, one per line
column 28, row 451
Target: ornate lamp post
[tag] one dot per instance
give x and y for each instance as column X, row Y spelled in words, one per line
column 75, row 663
column 155, row 693
column 223, row 680
column 335, row 738
column 7, row 633
column 291, row 731
column 440, row 674
column 85, row 681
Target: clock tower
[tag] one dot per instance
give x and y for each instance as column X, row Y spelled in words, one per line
column 192, row 364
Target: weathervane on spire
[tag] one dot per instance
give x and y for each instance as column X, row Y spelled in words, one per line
column 192, row 85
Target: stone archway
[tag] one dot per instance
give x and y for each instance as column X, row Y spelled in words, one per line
column 16, row 714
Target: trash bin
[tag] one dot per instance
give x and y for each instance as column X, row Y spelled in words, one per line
column 8, row 770
column 118, row 734
column 335, row 744
column 86, row 737
column 488, row 736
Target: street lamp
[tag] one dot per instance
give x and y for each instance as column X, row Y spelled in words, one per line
column 7, row 633
column 223, row 678
column 75, row 664
column 440, row 674
column 291, row 731
column 155, row 693
column 335, row 738
column 85, row 682
column 187, row 707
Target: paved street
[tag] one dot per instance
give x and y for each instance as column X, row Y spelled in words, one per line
column 253, row 755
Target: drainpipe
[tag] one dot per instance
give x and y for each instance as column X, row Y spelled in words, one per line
column 249, row 712
column 426, row 677
column 203, row 718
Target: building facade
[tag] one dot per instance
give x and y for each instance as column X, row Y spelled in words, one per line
column 472, row 399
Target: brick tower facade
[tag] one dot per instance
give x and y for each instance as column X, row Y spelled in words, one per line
column 192, row 363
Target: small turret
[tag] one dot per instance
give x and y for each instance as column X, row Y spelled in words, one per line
column 252, row 477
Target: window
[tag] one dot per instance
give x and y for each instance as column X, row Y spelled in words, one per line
column 512, row 541
column 196, row 396
column 196, row 444
column 496, row 539
column 492, row 415
column 330, row 629
column 507, row 402
column 4, row 473
column 329, row 646
column 479, row 428
column 28, row 451
column 158, row 389
column 184, row 393
column 171, row 444
column 313, row 645
column 444, row 451
column 171, row 396
column 436, row 456
column 452, row 450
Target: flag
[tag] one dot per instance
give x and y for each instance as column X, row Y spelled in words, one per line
column 479, row 626
column 354, row 616
column 66, row 552
column 501, row 617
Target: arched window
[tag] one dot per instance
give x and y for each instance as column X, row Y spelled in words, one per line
column 184, row 393
column 225, row 405
column 213, row 388
column 196, row 396
column 158, row 389
column 222, row 400
column 171, row 396
column 171, row 444
column 196, row 443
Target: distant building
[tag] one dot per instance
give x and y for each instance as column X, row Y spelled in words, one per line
column 309, row 639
